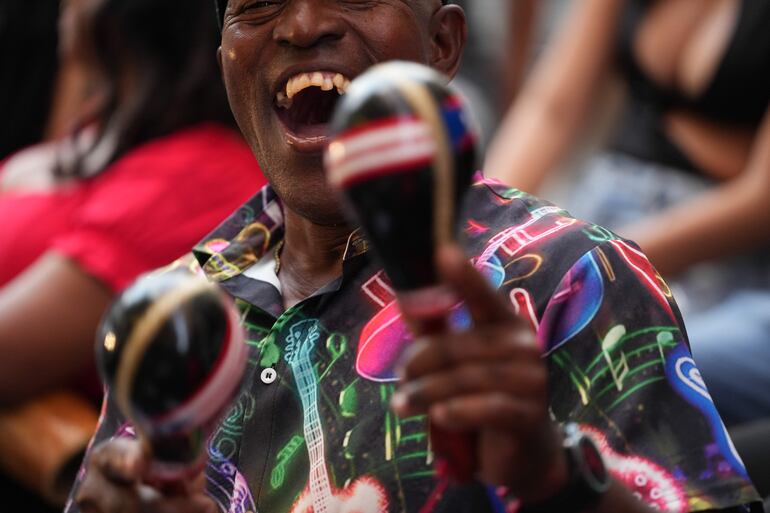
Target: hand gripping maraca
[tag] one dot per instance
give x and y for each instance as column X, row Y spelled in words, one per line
column 403, row 155
column 172, row 353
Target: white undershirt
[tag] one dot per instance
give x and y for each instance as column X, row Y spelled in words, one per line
column 264, row 270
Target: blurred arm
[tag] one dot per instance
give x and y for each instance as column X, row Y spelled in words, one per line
column 726, row 220
column 48, row 318
column 546, row 118
column 522, row 24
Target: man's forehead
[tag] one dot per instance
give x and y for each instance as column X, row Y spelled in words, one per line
column 221, row 5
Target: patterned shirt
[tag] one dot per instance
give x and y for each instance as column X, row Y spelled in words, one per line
column 312, row 430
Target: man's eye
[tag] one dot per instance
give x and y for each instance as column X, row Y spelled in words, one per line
column 258, row 5
column 360, row 4
column 257, row 10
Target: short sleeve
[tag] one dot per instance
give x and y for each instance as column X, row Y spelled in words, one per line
column 111, row 425
column 153, row 205
column 620, row 367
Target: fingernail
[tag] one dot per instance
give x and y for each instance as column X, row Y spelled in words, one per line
column 398, row 402
column 448, row 253
column 439, row 413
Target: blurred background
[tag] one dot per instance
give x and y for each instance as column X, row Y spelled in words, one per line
column 118, row 153
column 649, row 117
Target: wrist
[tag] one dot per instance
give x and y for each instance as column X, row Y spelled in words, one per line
column 586, row 482
column 554, row 477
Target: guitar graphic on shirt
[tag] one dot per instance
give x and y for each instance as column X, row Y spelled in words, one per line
column 365, row 494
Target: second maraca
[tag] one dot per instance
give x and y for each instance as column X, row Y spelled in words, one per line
column 403, row 155
column 172, row 353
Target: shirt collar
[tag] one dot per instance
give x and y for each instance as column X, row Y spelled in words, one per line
column 249, row 233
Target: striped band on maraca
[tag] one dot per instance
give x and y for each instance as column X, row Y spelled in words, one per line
column 392, row 145
column 379, row 148
column 430, row 137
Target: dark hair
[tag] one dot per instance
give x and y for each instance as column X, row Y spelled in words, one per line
column 28, row 39
column 168, row 48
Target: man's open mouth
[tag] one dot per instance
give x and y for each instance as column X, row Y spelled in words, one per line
column 305, row 107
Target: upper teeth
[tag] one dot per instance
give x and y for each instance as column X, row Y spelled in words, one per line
column 326, row 80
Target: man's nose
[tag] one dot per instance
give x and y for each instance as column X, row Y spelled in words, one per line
column 308, row 23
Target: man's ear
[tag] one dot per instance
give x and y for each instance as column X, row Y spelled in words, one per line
column 449, row 33
column 219, row 59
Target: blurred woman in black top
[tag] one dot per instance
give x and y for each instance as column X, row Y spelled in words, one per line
column 687, row 170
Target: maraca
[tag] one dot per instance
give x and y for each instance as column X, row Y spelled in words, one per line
column 403, row 155
column 172, row 353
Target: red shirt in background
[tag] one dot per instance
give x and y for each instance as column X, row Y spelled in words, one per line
column 142, row 212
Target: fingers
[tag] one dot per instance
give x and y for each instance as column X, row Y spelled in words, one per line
column 97, row 494
column 196, row 504
column 114, row 468
column 114, row 484
column 484, row 304
column 495, row 372
column 431, row 354
column 511, row 378
column 487, row 411
column 122, row 461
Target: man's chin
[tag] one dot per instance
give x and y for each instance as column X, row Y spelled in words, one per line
column 323, row 213
column 313, row 200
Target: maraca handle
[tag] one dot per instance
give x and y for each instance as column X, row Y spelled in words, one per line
column 455, row 452
column 425, row 311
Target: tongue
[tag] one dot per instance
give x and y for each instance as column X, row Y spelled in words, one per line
column 311, row 112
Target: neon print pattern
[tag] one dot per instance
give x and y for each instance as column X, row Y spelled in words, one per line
column 239, row 495
column 365, row 495
column 574, row 303
column 322, row 437
column 686, row 378
column 647, row 481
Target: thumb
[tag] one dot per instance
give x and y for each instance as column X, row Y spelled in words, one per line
column 484, row 303
column 123, row 460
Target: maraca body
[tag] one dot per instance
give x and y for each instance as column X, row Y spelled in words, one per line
column 171, row 352
column 403, row 156
column 394, row 131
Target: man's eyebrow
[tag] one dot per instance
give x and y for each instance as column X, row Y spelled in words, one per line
column 221, row 7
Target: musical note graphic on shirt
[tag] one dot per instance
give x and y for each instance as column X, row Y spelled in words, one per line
column 336, row 346
column 626, row 360
column 664, row 339
column 620, row 369
column 364, row 495
column 577, row 377
column 406, row 439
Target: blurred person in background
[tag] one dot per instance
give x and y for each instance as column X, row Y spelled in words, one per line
column 686, row 173
column 154, row 163
column 162, row 138
column 491, row 73
column 28, row 68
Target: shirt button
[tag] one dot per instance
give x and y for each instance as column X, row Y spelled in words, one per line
column 268, row 376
